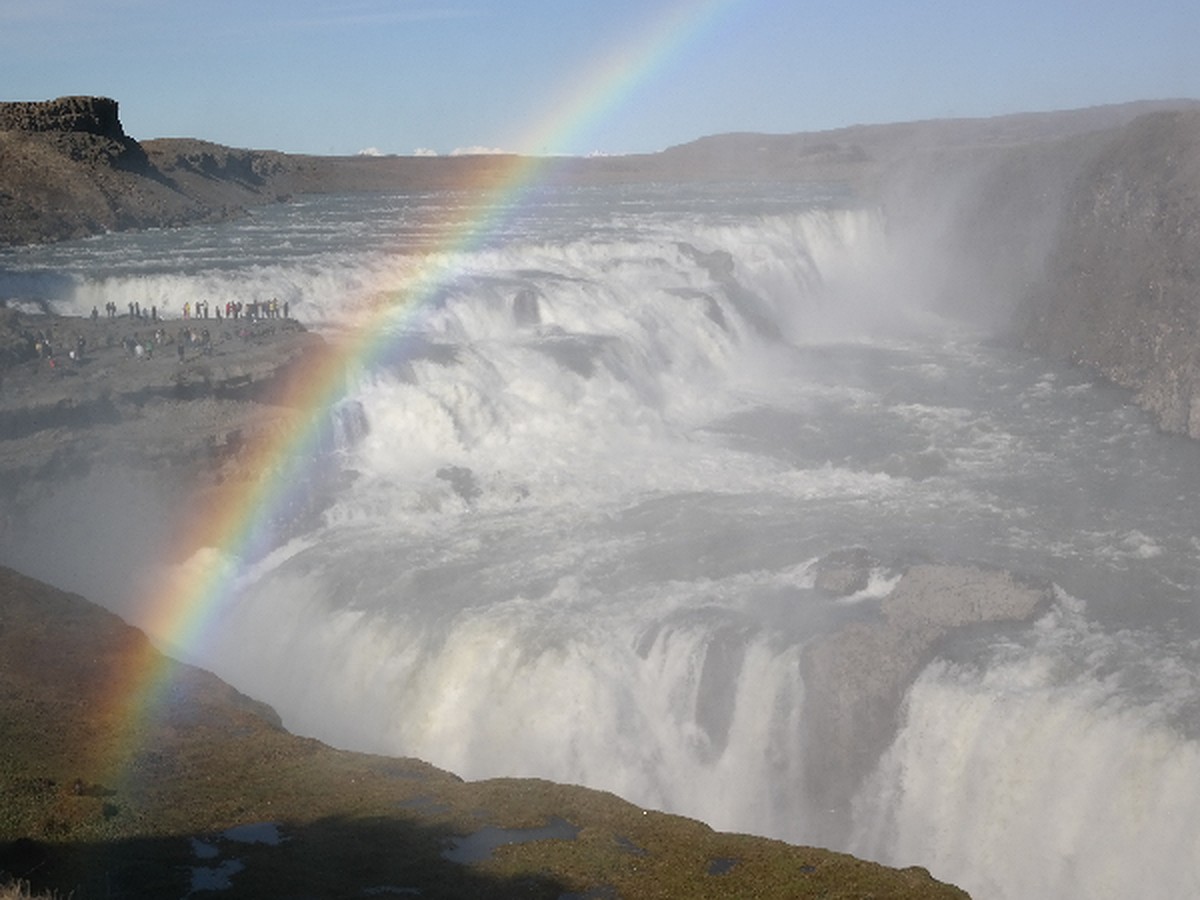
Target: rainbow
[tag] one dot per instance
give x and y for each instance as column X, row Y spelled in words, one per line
column 238, row 526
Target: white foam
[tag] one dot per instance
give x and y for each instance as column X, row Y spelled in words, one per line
column 579, row 496
column 1040, row 776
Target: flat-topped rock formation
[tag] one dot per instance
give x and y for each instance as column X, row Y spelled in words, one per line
column 68, row 169
column 82, row 115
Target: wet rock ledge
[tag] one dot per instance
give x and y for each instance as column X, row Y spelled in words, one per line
column 209, row 793
column 180, row 399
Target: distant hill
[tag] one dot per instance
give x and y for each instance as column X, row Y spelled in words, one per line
column 68, row 169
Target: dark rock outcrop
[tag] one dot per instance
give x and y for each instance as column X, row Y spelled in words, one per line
column 68, row 169
column 1122, row 291
column 94, row 116
column 67, row 115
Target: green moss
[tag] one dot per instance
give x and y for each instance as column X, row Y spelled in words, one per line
column 82, row 819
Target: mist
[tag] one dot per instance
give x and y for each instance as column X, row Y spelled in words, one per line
column 681, row 499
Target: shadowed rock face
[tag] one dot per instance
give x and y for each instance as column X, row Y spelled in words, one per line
column 1122, row 294
column 82, row 115
column 85, row 130
column 68, row 169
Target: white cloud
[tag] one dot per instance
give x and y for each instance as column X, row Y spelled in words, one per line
column 424, row 151
column 370, row 151
column 476, row 151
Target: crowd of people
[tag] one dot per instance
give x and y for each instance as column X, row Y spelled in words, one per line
column 139, row 347
column 43, row 344
column 254, row 311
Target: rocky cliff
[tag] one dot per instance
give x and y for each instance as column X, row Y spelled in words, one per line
column 67, row 169
column 68, row 115
column 1121, row 294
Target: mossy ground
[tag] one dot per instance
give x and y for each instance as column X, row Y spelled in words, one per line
column 105, row 800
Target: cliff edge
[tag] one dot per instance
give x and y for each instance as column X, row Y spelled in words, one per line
column 125, row 774
column 1121, row 295
column 70, row 170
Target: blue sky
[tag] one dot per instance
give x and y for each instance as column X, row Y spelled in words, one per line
column 580, row 76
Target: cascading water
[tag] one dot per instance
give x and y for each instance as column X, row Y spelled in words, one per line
column 1071, row 747
column 586, row 489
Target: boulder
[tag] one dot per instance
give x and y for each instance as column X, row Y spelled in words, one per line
column 856, row 678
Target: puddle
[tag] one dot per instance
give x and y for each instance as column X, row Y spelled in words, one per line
column 722, row 865
column 215, row 878
column 256, row 833
column 629, row 846
column 219, row 877
column 479, row 846
column 204, row 850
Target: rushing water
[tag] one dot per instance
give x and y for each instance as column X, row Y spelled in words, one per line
column 579, row 505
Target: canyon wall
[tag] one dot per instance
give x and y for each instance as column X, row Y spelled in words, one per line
column 1121, row 294
column 1077, row 232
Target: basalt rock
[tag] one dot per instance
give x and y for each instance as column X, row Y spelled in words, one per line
column 856, row 678
column 84, row 129
column 81, row 115
column 68, row 169
column 1122, row 293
